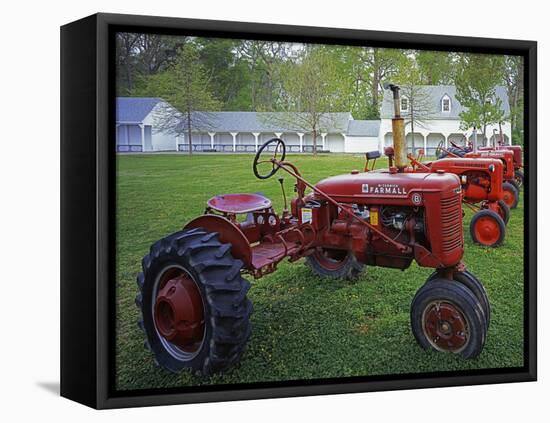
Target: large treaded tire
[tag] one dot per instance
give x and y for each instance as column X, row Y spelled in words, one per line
column 226, row 308
column 459, row 152
column 349, row 268
column 463, row 299
column 507, row 186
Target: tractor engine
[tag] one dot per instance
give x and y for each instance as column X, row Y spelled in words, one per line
column 419, row 214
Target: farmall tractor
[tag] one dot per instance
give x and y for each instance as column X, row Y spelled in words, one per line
column 460, row 150
column 193, row 296
column 482, row 192
column 510, row 186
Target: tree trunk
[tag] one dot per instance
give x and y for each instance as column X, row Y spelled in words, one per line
column 412, row 125
column 189, row 136
column 314, row 141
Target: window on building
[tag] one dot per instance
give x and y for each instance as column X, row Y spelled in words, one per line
column 404, row 104
column 445, row 104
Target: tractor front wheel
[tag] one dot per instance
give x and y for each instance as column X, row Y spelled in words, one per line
column 511, row 195
column 519, row 177
column 503, row 211
column 447, row 317
column 487, row 228
column 470, row 281
column 332, row 263
column 193, row 304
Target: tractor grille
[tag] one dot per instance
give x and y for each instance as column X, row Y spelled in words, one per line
column 451, row 223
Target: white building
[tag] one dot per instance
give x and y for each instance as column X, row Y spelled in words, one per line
column 442, row 124
column 138, row 127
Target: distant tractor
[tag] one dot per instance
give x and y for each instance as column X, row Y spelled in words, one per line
column 510, row 186
column 482, row 192
column 193, row 297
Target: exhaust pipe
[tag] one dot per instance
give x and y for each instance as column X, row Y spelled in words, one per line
column 475, row 140
column 398, row 130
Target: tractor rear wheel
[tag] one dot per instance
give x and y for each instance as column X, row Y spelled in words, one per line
column 511, row 195
column 193, row 304
column 470, row 281
column 447, row 317
column 487, row 228
column 332, row 263
column 519, row 177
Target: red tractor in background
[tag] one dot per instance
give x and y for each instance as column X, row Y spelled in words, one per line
column 193, row 297
column 482, row 191
column 460, row 150
column 510, row 186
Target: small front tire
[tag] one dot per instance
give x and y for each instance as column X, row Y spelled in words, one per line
column 447, row 317
column 511, row 195
column 487, row 229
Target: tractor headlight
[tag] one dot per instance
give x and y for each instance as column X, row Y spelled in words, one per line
column 491, row 168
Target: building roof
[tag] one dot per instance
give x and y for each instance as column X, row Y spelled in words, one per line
column 134, row 109
column 363, row 128
column 435, row 93
column 265, row 122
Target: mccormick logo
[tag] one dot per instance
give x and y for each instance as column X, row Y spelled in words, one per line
column 384, row 189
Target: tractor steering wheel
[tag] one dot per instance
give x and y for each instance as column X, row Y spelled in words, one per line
column 439, row 149
column 279, row 146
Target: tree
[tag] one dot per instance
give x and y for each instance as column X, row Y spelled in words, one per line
column 186, row 86
column 476, row 81
column 435, row 67
column 419, row 103
column 311, row 93
column 513, row 78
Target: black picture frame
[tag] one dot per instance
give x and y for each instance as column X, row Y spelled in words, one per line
column 87, row 209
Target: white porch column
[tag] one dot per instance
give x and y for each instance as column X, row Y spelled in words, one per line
column 212, row 134
column 301, row 135
column 177, row 142
column 256, row 135
column 142, row 128
column 234, row 135
column 425, row 144
column 278, row 134
column 447, row 140
column 323, row 137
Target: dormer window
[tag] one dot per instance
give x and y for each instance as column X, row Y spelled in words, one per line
column 446, row 104
column 404, row 104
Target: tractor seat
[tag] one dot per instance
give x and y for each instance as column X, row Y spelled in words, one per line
column 371, row 155
column 239, row 203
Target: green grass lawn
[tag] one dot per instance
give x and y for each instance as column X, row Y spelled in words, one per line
column 303, row 327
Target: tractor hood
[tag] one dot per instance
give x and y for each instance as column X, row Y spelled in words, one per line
column 386, row 184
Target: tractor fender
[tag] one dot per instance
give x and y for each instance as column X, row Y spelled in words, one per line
column 229, row 233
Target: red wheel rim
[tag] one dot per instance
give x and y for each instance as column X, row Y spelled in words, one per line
column 487, row 230
column 445, row 326
column 331, row 259
column 509, row 198
column 179, row 311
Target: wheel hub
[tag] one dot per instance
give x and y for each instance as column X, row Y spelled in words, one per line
column 445, row 326
column 487, row 230
column 179, row 313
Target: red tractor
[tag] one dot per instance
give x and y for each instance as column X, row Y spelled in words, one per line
column 482, row 192
column 461, row 150
column 193, row 296
column 510, row 186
